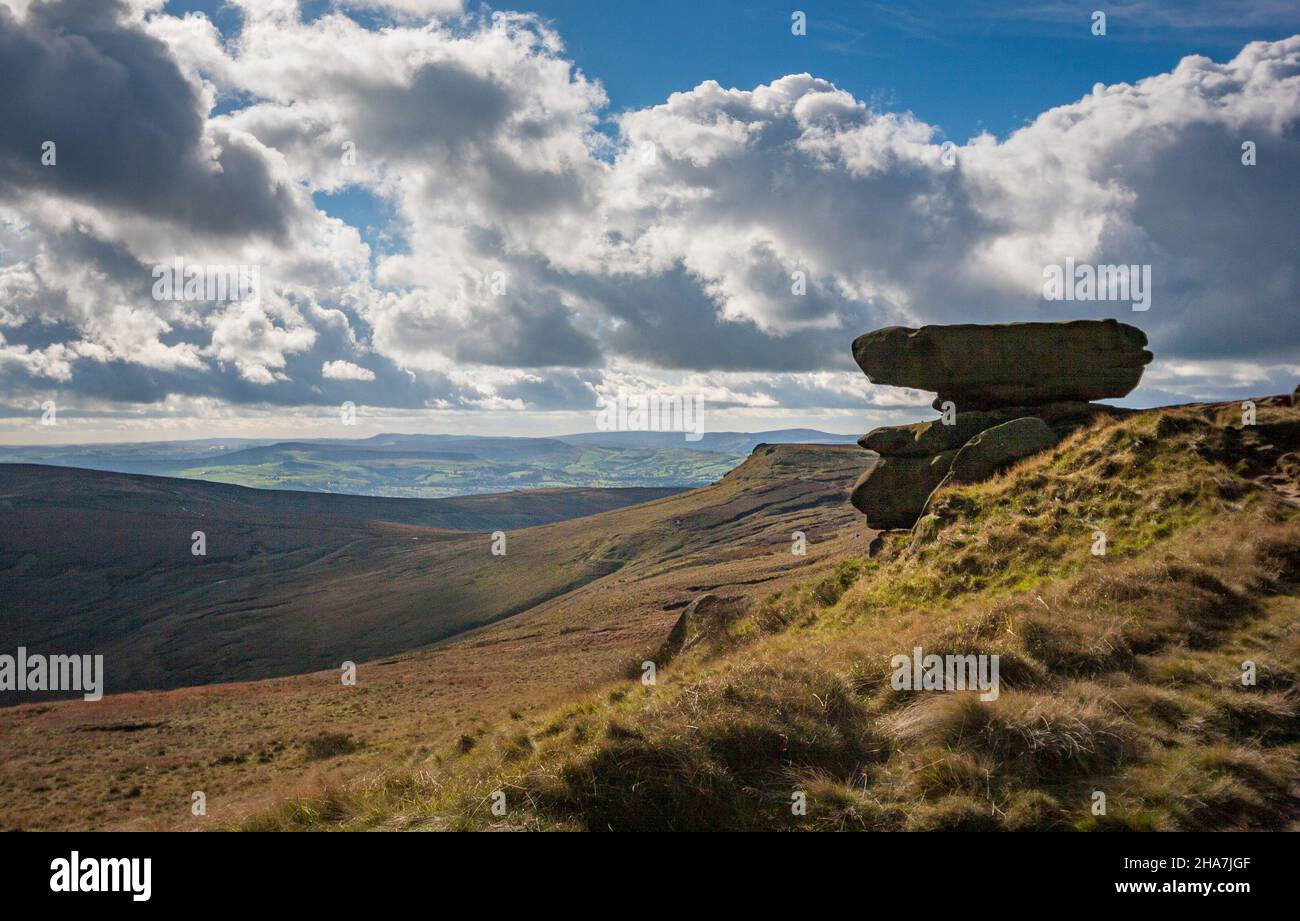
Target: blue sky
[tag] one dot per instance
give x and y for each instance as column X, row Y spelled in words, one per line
column 964, row 67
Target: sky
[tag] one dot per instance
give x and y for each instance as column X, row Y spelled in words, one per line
column 474, row 219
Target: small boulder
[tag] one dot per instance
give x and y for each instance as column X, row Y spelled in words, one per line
column 925, row 529
column 706, row 618
column 999, row 447
column 926, row 439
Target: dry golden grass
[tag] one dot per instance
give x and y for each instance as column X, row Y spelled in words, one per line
column 133, row 760
column 1120, row 673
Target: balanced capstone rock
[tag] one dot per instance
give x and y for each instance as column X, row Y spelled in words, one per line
column 1011, row 364
column 1006, row 392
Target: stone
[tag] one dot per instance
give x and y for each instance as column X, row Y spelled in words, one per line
column 893, row 492
column 705, row 618
column 1065, row 417
column 1000, row 447
column 981, row 367
column 926, row 528
column 924, row 439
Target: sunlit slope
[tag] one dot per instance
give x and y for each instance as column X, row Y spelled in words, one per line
column 248, row 745
column 294, row 582
column 1121, row 673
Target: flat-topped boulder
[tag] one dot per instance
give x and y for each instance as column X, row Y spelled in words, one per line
column 981, row 367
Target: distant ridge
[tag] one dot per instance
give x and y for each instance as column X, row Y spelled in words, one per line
column 432, row 466
column 719, row 442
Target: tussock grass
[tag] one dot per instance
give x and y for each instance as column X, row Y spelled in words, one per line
column 1031, row 734
column 1119, row 673
column 329, row 745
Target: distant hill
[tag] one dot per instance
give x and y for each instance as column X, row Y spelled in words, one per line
column 431, row 466
column 719, row 442
column 456, row 467
column 127, row 457
column 27, row 488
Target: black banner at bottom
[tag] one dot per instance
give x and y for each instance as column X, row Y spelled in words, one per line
column 215, row 871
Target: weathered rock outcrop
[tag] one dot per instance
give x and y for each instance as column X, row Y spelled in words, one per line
column 1013, row 364
column 925, row 439
column 1015, row 390
column 892, row 493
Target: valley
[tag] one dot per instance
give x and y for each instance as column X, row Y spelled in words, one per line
column 572, row 605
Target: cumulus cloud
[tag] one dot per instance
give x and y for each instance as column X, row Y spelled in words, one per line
column 732, row 240
column 413, row 9
column 340, row 370
column 128, row 130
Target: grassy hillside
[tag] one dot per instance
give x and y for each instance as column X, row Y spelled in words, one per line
column 291, row 582
column 139, row 756
column 1120, row 673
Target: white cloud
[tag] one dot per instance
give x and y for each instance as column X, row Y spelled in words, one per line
column 413, row 9
column 248, row 336
column 664, row 256
column 345, row 371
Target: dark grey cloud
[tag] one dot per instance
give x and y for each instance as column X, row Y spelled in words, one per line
column 669, row 321
column 526, row 336
column 457, row 111
column 127, row 125
column 558, row 390
column 1224, row 239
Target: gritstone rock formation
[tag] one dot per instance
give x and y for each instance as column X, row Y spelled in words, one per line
column 1013, row 390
